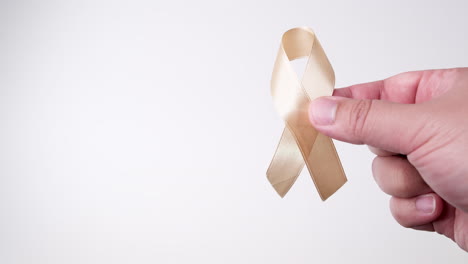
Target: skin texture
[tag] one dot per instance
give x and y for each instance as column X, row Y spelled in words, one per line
column 417, row 125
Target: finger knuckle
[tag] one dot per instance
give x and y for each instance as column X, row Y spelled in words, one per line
column 395, row 179
column 359, row 114
column 402, row 185
column 377, row 170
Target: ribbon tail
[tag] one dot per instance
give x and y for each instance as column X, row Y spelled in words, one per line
column 325, row 167
column 286, row 165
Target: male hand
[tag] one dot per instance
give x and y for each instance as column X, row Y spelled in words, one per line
column 417, row 125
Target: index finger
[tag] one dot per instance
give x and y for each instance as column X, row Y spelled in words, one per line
column 401, row 88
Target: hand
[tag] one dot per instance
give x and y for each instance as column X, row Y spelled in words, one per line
column 417, row 124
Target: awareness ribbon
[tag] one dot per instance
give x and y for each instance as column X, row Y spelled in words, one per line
column 300, row 142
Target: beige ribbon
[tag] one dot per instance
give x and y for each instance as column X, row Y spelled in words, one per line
column 300, row 141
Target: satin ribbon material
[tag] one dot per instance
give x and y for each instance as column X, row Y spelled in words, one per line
column 300, row 143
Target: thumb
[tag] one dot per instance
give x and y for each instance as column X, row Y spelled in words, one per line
column 382, row 124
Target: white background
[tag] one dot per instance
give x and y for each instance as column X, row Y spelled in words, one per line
column 140, row 132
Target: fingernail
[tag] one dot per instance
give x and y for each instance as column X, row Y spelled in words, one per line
column 425, row 204
column 322, row 111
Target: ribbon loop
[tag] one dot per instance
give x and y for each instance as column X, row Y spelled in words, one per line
column 300, row 142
